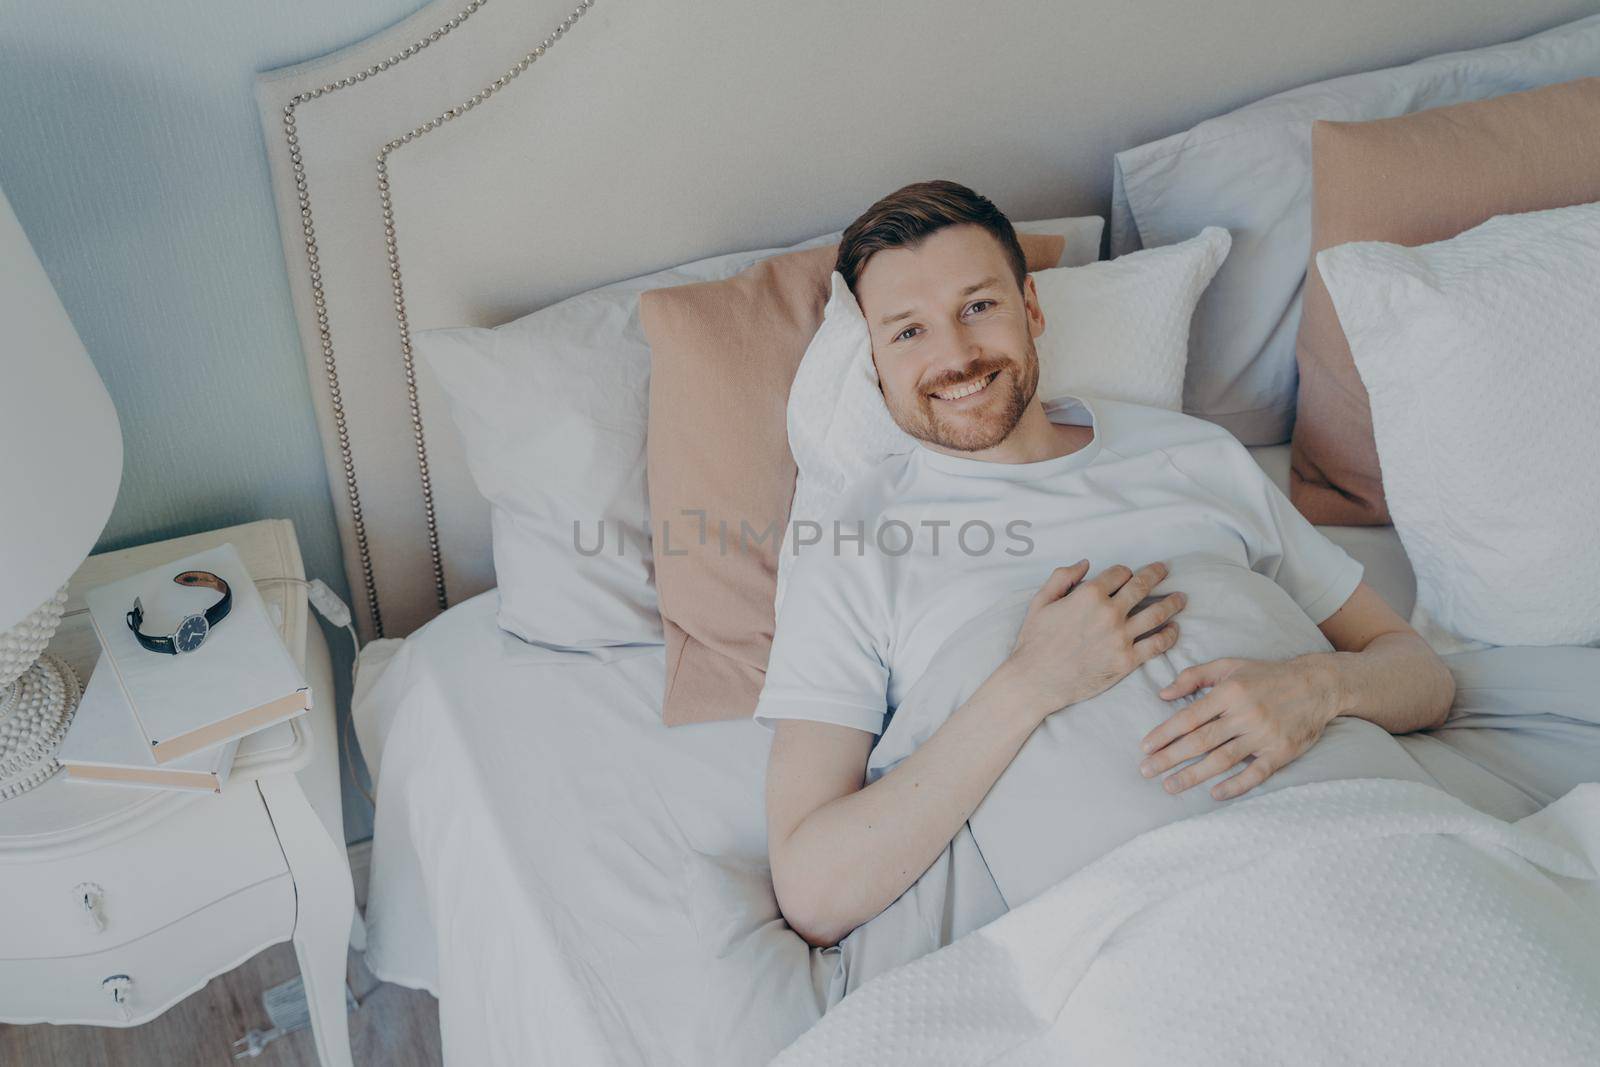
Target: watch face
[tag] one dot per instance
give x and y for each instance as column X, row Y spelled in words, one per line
column 191, row 633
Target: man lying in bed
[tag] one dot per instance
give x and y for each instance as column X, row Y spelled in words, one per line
column 1117, row 488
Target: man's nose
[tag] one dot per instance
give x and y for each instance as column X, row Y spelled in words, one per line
column 956, row 353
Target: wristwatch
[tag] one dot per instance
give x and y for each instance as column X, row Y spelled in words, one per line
column 191, row 632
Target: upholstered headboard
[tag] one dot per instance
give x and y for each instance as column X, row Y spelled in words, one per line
column 483, row 159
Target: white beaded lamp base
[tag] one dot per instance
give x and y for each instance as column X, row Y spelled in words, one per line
column 38, row 696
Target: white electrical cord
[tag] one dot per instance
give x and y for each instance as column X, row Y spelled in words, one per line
column 337, row 612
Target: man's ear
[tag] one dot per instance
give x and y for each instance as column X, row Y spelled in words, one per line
column 1030, row 300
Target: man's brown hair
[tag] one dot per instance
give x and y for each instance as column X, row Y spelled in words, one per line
column 907, row 216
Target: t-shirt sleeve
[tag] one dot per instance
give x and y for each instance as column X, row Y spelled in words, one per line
column 1282, row 543
column 828, row 650
column 1313, row 569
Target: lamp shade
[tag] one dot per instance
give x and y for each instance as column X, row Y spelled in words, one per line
column 60, row 444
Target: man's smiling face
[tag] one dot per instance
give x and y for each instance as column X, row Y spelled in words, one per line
column 952, row 337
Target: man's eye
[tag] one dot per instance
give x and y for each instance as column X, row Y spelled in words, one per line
column 901, row 335
column 977, row 305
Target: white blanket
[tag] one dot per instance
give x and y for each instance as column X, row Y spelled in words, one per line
column 581, row 885
column 1439, row 934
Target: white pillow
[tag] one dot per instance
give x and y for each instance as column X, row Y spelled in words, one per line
column 1120, row 329
column 1250, row 170
column 1117, row 329
column 552, row 412
column 1481, row 358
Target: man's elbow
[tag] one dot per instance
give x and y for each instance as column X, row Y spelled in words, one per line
column 1424, row 659
column 1447, row 694
column 805, row 909
column 815, row 934
column 1443, row 690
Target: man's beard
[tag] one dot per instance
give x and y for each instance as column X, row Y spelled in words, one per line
column 983, row 427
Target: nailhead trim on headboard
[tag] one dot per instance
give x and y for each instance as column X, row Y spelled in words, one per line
column 319, row 301
column 319, row 295
column 399, row 287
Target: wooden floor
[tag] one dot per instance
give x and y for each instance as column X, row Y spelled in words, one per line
column 394, row 1027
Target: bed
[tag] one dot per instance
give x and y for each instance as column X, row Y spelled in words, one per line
column 542, row 840
column 534, row 857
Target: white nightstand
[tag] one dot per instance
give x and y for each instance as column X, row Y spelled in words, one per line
column 182, row 887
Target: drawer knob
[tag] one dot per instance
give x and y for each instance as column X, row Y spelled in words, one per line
column 120, row 986
column 90, row 898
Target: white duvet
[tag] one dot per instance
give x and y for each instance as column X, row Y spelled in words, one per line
column 1439, row 935
column 580, row 885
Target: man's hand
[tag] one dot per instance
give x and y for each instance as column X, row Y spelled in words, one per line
column 1079, row 638
column 1272, row 711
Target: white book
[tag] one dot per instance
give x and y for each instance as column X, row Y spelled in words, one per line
column 105, row 746
column 241, row 679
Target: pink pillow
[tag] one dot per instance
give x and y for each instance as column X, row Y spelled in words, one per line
column 722, row 357
column 1413, row 180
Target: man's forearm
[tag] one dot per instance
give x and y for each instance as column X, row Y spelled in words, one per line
column 1397, row 681
column 866, row 848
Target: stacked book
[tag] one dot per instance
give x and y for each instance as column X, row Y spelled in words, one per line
column 161, row 721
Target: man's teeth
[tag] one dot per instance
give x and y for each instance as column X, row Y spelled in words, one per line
column 967, row 390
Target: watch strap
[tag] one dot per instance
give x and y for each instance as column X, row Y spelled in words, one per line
column 218, row 611
column 167, row 643
column 154, row 644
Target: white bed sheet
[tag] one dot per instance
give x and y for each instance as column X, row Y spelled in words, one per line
column 537, row 826
column 534, row 818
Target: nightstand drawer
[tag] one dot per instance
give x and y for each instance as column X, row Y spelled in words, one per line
column 211, row 847
column 154, row 971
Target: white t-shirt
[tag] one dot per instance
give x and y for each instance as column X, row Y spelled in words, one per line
column 925, row 542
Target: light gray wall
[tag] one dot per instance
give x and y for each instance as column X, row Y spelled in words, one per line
column 132, row 154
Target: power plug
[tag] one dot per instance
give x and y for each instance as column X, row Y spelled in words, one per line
column 327, row 602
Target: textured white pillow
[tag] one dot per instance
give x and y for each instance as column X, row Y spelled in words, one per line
column 1481, row 357
column 552, row 412
column 1120, row 329
column 1250, row 170
column 1117, row 329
